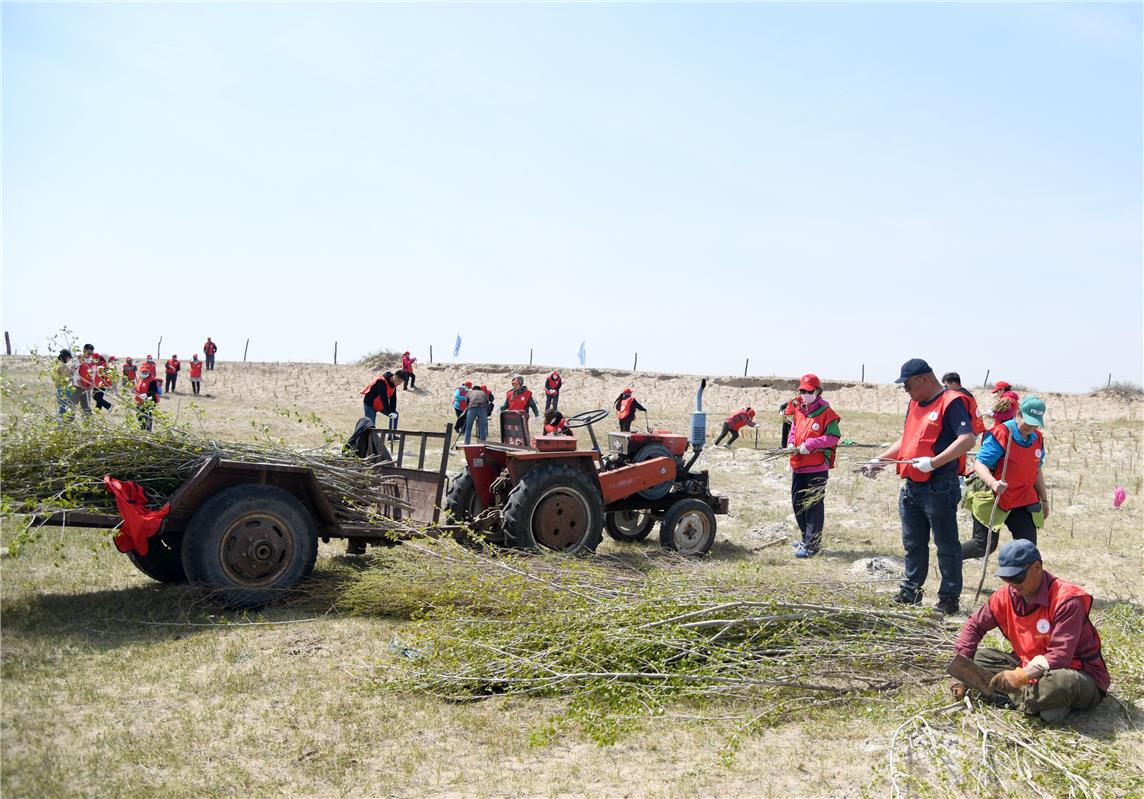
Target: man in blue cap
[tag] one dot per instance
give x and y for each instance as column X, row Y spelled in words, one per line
column 930, row 457
column 1056, row 665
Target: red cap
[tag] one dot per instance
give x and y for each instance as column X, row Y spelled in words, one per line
column 626, row 391
column 468, row 384
column 809, row 382
column 751, row 412
column 1000, row 386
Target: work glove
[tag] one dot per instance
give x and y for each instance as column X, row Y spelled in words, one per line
column 957, row 690
column 871, row 468
column 1010, row 681
column 1000, row 487
column 802, row 450
column 393, row 415
column 924, row 465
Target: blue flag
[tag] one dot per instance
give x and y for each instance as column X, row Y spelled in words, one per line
column 457, row 346
column 582, row 353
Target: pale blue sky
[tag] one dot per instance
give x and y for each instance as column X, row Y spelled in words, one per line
column 813, row 186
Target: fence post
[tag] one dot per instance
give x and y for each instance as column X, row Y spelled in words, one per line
column 530, row 356
column 430, row 353
column 7, row 343
column 244, row 349
column 863, row 373
column 748, row 363
column 1109, row 380
column 335, row 353
column 158, row 349
column 986, row 384
column 635, row 361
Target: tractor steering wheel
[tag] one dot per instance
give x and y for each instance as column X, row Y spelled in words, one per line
column 584, row 418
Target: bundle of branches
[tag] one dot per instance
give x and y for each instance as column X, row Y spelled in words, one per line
column 978, row 750
column 51, row 466
column 629, row 640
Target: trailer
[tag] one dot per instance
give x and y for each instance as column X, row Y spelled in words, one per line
column 248, row 532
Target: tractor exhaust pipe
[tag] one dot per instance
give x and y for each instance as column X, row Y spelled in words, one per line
column 698, row 435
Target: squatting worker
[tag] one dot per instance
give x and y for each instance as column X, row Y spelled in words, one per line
column 744, row 417
column 1021, row 498
column 937, row 434
column 1056, row 664
column 814, row 436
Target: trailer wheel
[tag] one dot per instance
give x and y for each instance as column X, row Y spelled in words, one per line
column 463, row 504
column 164, row 559
column 556, row 507
column 688, row 527
column 250, row 543
column 629, row 525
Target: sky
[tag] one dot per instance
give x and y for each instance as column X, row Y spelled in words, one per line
column 813, row 187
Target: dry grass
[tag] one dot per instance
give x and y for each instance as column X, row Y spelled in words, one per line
column 114, row 685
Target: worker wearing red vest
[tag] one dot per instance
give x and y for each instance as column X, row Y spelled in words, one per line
column 1021, row 499
column 103, row 379
column 209, row 350
column 172, row 367
column 937, row 433
column 814, row 437
column 381, row 395
column 196, row 373
column 555, row 425
column 744, row 417
column 626, row 406
column 1005, row 408
column 409, row 381
column 130, row 371
column 552, row 385
column 85, row 378
column 1056, row 664
column 147, row 393
column 952, row 381
column 519, row 398
column 148, row 367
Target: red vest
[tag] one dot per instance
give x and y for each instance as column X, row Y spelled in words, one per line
column 196, row 368
column 172, row 366
column 141, row 390
column 805, row 428
column 407, row 363
column 209, row 348
column 737, row 421
column 519, row 402
column 923, row 426
column 557, row 429
column 129, row 371
column 552, row 387
column 1030, row 634
column 1024, row 463
column 87, row 375
column 626, row 408
column 389, row 391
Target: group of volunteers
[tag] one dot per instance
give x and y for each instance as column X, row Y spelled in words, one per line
column 91, row 381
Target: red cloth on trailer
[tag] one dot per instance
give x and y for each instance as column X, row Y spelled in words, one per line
column 139, row 524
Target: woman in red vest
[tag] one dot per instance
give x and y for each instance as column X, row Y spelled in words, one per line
column 744, row 417
column 554, row 424
column 1056, row 665
column 814, row 435
column 173, row 366
column 1022, row 501
column 626, row 406
column 409, row 381
column 196, row 375
column 552, row 385
column 147, row 392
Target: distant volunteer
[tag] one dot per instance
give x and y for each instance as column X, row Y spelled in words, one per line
column 552, row 385
column 519, row 398
column 195, row 368
column 814, row 436
column 626, row 406
column 1018, row 489
column 381, row 395
column 744, row 417
column 477, row 413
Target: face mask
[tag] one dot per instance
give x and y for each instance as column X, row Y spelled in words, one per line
column 807, row 399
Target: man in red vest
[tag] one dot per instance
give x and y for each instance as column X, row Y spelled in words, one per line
column 1056, row 664
column 814, row 438
column 552, row 385
column 744, row 417
column 519, row 398
column 937, row 434
column 209, row 350
column 381, row 395
column 626, row 406
column 172, row 367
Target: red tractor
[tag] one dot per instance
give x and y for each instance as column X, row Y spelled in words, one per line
column 544, row 491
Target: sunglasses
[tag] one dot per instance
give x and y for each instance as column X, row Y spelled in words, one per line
column 804, row 391
column 1017, row 578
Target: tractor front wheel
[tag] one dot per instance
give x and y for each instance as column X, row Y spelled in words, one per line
column 463, row 505
column 629, row 525
column 556, row 507
column 688, row 527
column 249, row 543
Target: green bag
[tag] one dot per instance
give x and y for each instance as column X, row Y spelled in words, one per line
column 978, row 499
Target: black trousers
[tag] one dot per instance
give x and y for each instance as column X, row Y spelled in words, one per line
column 727, row 429
column 808, row 498
column 210, row 363
column 100, row 403
column 1020, row 523
column 626, row 424
column 195, row 385
column 551, row 401
column 170, row 382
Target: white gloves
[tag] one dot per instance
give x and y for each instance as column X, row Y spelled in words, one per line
column 393, row 415
column 802, row 450
column 923, row 465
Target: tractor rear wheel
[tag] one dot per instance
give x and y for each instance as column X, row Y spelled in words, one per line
column 250, row 543
column 556, row 507
column 629, row 525
column 688, row 527
column 164, row 558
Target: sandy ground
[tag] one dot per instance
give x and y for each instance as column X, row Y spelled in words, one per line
column 102, row 697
